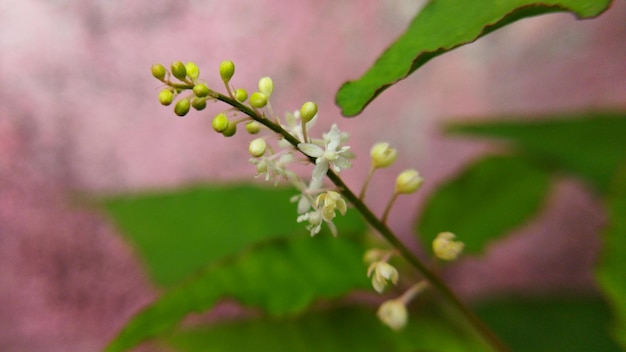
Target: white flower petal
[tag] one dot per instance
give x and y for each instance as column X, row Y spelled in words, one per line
column 311, row 149
column 320, row 169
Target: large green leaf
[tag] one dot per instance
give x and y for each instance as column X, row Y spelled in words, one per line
column 441, row 26
column 590, row 145
column 343, row 329
column 611, row 271
column 281, row 277
column 489, row 198
column 177, row 232
column 548, row 324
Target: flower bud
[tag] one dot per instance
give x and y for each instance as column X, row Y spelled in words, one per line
column 258, row 100
column 241, row 95
column 383, row 155
column 308, row 111
column 408, row 181
column 201, row 90
column 192, row 70
column 230, row 130
column 178, row 70
column 158, row 71
column 393, row 313
column 220, row 122
column 166, row 96
column 266, row 86
column 182, row 107
column 198, row 103
column 445, row 247
column 227, row 70
column 257, row 147
column 382, row 274
column 253, row 127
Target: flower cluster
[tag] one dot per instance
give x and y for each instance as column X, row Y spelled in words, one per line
column 316, row 205
column 281, row 143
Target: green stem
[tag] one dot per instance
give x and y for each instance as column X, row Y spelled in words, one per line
column 433, row 279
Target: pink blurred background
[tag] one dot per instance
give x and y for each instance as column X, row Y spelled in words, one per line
column 79, row 114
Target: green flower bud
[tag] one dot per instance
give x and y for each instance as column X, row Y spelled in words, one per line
column 201, row 90
column 241, row 95
column 198, row 103
column 308, row 111
column 182, row 107
column 266, row 86
column 166, row 96
column 158, row 71
column 227, row 70
column 383, row 155
column 230, row 130
column 408, row 181
column 253, row 127
column 257, row 147
column 258, row 100
column 178, row 70
column 192, row 70
column 220, row 122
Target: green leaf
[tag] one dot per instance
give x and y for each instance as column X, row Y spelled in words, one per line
column 611, row 271
column 488, row 199
column 589, row 145
column 548, row 324
column 343, row 329
column 282, row 277
column 177, row 232
column 441, row 26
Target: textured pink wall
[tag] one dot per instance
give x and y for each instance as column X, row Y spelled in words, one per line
column 78, row 112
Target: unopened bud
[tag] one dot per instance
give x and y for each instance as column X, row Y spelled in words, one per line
column 393, row 313
column 266, row 86
column 230, row 130
column 258, row 100
column 257, row 147
column 178, row 70
column 158, row 71
column 227, row 70
column 192, row 70
column 241, row 95
column 182, row 107
column 253, row 127
column 383, row 155
column 220, row 122
column 198, row 103
column 166, row 96
column 308, row 111
column 408, row 181
column 201, row 90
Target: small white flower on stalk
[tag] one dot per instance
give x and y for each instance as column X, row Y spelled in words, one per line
column 393, row 313
column 293, row 125
column 332, row 155
column 445, row 247
column 324, row 209
column 382, row 274
column 305, row 198
column 274, row 166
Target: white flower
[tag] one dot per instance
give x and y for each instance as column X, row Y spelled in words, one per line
column 332, row 154
column 329, row 202
column 382, row 273
column 274, row 166
column 445, row 247
column 393, row 314
column 305, row 198
column 315, row 220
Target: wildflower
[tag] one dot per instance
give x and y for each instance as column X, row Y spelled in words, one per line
column 408, row 181
column 393, row 313
column 382, row 273
column 330, row 155
column 383, row 155
column 274, row 166
column 445, row 247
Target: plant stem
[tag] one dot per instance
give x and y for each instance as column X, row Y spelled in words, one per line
column 433, row 279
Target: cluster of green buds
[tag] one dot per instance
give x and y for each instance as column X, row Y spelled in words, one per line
column 283, row 141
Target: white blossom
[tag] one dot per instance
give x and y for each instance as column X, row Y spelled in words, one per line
column 331, row 155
